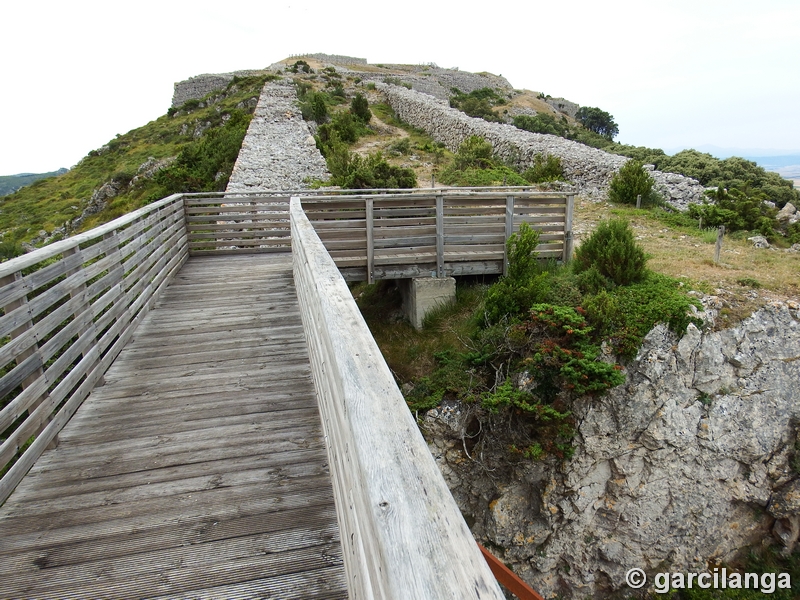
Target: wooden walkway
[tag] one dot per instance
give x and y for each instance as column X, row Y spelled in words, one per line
column 198, row 470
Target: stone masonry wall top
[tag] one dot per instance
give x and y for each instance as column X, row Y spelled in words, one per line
column 278, row 152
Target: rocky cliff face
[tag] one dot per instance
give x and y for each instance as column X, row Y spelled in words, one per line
column 688, row 462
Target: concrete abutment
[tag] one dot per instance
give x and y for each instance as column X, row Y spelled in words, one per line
column 422, row 294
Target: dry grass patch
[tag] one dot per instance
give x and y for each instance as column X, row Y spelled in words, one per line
column 745, row 278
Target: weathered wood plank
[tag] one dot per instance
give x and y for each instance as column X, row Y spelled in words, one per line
column 160, row 501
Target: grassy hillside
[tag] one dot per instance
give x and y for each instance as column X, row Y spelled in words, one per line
column 192, row 148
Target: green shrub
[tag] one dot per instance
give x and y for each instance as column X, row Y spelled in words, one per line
column 474, row 153
column 401, row 146
column 562, row 354
column 506, row 300
column 521, row 254
column 360, row 108
column 343, row 126
column 546, row 167
column 523, row 285
column 542, row 123
column 352, row 171
column 205, row 165
column 314, row 107
column 613, row 252
column 624, row 315
column 478, row 103
column 737, row 209
column 631, row 181
column 793, row 233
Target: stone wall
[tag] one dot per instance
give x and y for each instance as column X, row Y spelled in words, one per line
column 334, row 59
column 438, row 82
column 197, row 87
column 278, row 152
column 589, row 169
column 563, row 106
column 689, row 461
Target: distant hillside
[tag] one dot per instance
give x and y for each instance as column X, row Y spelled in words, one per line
column 192, row 148
column 11, row 183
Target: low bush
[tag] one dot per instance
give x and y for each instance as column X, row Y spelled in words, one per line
column 546, row 167
column 360, row 108
column 314, row 107
column 624, row 315
column 737, row 209
column 205, row 165
column 542, row 123
column 478, row 103
column 630, row 181
column 352, row 171
column 612, row 252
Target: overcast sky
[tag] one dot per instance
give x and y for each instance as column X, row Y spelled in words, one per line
column 675, row 74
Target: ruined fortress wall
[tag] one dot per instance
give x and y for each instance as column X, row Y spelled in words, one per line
column 589, row 169
column 197, row 87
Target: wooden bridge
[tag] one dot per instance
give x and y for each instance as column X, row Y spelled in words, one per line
column 217, row 419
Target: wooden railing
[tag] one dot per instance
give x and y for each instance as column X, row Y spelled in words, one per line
column 390, row 235
column 68, row 309
column 402, row 533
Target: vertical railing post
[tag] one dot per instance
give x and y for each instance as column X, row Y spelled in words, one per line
column 439, row 235
column 370, row 241
column 718, row 246
column 185, row 202
column 568, row 240
column 509, row 230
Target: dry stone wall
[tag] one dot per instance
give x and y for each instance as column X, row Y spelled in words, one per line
column 278, row 152
column 589, row 169
column 197, row 87
column 438, row 82
column 334, row 59
column 691, row 460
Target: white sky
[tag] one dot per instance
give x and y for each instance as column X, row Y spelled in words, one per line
column 676, row 73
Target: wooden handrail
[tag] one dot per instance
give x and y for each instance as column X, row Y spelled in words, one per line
column 402, row 533
column 68, row 310
column 510, row 580
column 392, row 235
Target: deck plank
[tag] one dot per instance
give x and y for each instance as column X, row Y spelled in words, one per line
column 198, row 470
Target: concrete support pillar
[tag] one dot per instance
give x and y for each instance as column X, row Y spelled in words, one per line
column 422, row 294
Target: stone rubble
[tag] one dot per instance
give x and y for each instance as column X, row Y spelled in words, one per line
column 692, row 459
column 278, row 152
column 589, row 169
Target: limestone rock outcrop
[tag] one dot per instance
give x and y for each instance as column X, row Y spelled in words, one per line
column 691, row 460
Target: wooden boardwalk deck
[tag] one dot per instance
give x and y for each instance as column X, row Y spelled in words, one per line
column 198, row 470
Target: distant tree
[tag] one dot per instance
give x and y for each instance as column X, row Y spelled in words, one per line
column 598, row 121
